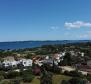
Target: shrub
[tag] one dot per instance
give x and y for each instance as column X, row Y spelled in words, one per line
column 28, row 71
column 56, row 69
column 46, row 78
column 64, row 82
column 13, row 74
column 66, row 72
column 77, row 81
column 88, row 77
column 2, row 73
column 6, row 82
column 1, row 78
column 28, row 77
column 73, row 73
column 16, row 81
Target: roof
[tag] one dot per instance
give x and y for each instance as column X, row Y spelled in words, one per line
column 9, row 58
column 50, row 61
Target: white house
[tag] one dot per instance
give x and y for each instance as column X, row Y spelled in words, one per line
column 6, row 63
column 9, row 61
column 82, row 54
column 26, row 62
column 72, row 53
column 63, row 53
column 14, row 63
column 47, row 57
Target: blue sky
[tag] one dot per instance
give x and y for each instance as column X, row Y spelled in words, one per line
column 45, row 20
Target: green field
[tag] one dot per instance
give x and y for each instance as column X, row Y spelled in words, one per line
column 56, row 79
column 35, row 80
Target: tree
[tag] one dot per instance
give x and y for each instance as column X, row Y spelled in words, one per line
column 46, row 78
column 29, row 56
column 1, row 78
column 64, row 82
column 89, row 77
column 67, row 60
column 28, row 77
column 77, row 81
column 55, row 68
column 13, row 74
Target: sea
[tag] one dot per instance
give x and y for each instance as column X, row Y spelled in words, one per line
column 33, row 44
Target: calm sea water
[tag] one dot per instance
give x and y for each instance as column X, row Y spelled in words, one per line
column 31, row 44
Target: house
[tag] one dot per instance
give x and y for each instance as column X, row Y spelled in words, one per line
column 63, row 53
column 39, row 62
column 47, row 57
column 48, row 61
column 58, row 57
column 72, row 53
column 82, row 54
column 9, row 61
column 26, row 62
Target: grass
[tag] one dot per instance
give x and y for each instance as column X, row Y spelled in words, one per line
column 35, row 80
column 58, row 78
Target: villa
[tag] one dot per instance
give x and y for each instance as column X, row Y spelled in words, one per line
column 9, row 61
column 26, row 62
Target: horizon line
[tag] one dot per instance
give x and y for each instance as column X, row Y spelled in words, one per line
column 48, row 40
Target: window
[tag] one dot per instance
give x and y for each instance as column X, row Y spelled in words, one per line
column 24, row 62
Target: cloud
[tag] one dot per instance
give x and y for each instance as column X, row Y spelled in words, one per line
column 86, row 35
column 77, row 24
column 54, row 27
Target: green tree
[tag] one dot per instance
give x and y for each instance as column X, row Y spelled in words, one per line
column 46, row 78
column 64, row 82
column 67, row 60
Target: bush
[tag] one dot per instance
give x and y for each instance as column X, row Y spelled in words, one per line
column 77, row 81
column 56, row 69
column 13, row 74
column 2, row 73
column 66, row 72
column 28, row 71
column 73, row 73
column 64, row 82
column 16, row 81
column 1, row 78
column 88, row 77
column 6, row 82
column 46, row 78
column 28, row 78
column 74, row 81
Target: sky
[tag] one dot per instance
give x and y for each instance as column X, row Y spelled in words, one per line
column 22, row 20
